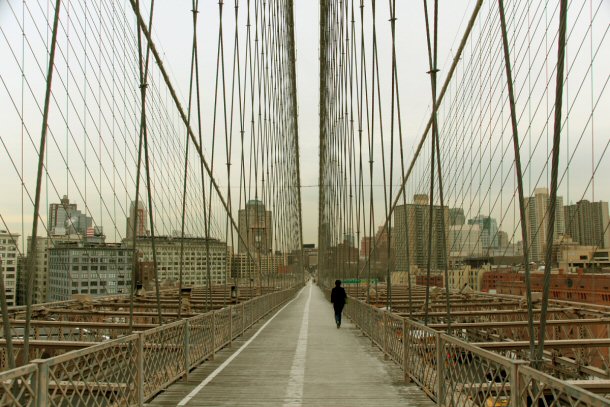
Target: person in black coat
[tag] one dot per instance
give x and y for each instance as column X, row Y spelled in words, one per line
column 338, row 297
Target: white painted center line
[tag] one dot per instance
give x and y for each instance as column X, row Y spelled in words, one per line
column 296, row 381
column 220, row 368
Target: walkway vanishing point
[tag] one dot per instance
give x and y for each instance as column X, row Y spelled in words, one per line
column 296, row 357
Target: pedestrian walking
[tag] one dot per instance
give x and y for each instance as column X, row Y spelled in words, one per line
column 338, row 297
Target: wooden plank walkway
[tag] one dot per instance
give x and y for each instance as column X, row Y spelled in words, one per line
column 299, row 358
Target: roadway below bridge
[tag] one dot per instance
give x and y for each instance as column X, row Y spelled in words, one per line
column 297, row 357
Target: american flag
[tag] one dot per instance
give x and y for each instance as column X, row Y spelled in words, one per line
column 90, row 232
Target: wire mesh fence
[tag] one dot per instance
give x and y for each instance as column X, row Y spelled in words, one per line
column 132, row 369
column 456, row 373
column 17, row 386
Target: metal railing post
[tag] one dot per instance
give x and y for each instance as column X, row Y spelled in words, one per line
column 251, row 312
column 405, row 351
column 230, row 326
column 42, row 383
column 187, row 346
column 361, row 317
column 213, row 335
column 370, row 333
column 140, row 369
column 243, row 318
column 515, row 383
column 385, row 321
column 440, row 367
column 266, row 307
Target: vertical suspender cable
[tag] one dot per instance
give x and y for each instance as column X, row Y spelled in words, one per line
column 439, row 100
column 445, row 254
column 322, row 145
column 392, row 114
column 172, row 91
column 229, row 136
column 143, row 69
column 519, row 174
column 404, row 195
column 561, row 46
column 295, row 123
column 186, row 159
column 204, row 198
column 432, row 165
column 41, row 153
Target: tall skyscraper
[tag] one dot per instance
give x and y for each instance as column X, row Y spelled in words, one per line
column 256, row 228
column 414, row 218
column 65, row 219
column 8, row 263
column 503, row 241
column 587, row 223
column 456, row 216
column 489, row 231
column 537, row 218
column 141, row 220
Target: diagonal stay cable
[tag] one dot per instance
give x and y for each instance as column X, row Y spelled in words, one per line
column 407, row 175
column 183, row 116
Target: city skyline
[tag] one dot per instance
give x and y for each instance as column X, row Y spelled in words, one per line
column 599, row 215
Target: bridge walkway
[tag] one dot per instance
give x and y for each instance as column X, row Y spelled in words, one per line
column 297, row 357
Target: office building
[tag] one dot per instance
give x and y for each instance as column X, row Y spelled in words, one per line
column 503, row 241
column 65, row 219
column 140, row 220
column 244, row 267
column 489, row 232
column 194, row 261
column 465, row 279
column 40, row 265
column 88, row 269
column 588, row 224
column 8, row 263
column 414, row 218
column 256, row 228
column 465, row 241
column 456, row 217
column 537, row 218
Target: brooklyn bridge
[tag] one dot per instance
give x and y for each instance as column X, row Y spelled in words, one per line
column 182, row 183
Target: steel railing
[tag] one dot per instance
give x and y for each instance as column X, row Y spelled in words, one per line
column 455, row 373
column 18, row 386
column 132, row 369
